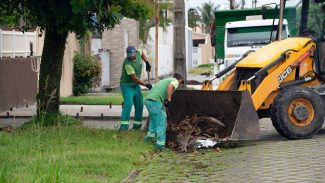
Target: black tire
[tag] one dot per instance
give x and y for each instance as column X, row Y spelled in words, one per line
column 283, row 123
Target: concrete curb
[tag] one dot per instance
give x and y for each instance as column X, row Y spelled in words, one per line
column 77, row 117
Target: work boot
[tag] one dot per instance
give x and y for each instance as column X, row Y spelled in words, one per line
column 149, row 139
column 159, row 148
column 124, row 128
column 136, row 127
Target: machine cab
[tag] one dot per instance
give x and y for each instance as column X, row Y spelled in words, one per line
column 312, row 24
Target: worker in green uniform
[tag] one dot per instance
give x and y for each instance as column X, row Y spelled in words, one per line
column 157, row 98
column 131, row 91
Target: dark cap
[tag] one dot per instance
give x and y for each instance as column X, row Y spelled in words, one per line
column 178, row 77
column 130, row 51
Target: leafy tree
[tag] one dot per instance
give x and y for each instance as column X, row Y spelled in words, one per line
column 8, row 18
column 58, row 18
column 164, row 21
column 207, row 11
column 148, row 22
column 193, row 17
column 144, row 28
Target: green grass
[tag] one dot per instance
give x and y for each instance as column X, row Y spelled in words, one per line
column 92, row 100
column 70, row 154
column 51, row 119
column 202, row 69
column 206, row 66
column 116, row 99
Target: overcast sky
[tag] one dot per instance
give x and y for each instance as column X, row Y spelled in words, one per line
column 224, row 4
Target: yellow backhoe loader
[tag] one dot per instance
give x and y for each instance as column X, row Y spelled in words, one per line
column 283, row 80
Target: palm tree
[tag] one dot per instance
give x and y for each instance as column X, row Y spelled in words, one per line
column 193, row 17
column 234, row 5
column 207, row 13
column 148, row 22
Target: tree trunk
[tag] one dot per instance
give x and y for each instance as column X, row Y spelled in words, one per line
column 232, row 4
column 50, row 72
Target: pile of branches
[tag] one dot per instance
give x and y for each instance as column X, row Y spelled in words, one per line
column 183, row 136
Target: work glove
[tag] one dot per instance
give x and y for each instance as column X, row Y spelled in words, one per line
column 166, row 103
column 149, row 86
column 148, row 67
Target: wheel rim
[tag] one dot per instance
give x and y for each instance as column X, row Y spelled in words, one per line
column 301, row 112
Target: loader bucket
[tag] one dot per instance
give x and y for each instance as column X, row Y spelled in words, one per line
column 234, row 109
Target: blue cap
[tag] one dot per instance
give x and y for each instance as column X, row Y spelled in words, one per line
column 130, row 51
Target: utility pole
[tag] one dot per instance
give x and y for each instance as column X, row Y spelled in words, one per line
column 156, row 38
column 179, row 38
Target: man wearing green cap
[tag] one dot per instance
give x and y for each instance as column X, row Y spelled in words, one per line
column 159, row 97
column 131, row 91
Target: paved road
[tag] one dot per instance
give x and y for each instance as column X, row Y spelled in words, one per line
column 271, row 159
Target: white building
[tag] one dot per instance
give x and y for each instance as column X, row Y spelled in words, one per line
column 166, row 48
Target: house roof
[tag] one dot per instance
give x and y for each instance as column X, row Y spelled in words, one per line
column 197, row 35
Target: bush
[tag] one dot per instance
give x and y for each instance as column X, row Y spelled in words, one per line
column 86, row 69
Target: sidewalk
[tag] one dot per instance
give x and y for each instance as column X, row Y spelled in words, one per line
column 84, row 111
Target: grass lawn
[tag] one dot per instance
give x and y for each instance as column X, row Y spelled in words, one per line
column 204, row 68
column 92, row 100
column 116, row 99
column 71, row 154
column 77, row 154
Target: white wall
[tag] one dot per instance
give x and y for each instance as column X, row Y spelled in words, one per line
column 165, row 62
column 165, row 51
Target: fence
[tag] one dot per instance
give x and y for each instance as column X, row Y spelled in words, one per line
column 14, row 43
column 18, row 83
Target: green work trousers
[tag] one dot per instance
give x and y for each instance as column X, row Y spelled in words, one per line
column 158, row 122
column 131, row 95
